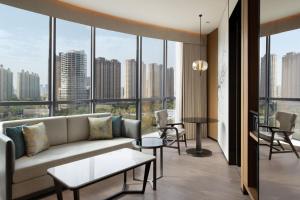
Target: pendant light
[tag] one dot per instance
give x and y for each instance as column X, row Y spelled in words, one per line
column 200, row 65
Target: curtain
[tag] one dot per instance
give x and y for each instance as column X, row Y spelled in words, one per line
column 178, row 82
column 194, row 88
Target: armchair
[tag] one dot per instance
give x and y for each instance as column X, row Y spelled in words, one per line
column 275, row 135
column 170, row 132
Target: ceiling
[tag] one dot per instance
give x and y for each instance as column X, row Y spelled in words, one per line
column 177, row 14
column 271, row 10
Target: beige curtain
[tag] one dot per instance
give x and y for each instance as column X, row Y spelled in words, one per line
column 194, row 94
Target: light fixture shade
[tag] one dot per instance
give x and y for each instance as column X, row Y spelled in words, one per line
column 200, row 65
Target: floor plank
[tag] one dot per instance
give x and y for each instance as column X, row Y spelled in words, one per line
column 186, row 178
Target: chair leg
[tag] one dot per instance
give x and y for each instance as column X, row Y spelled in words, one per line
column 185, row 140
column 292, row 146
column 271, row 146
column 178, row 144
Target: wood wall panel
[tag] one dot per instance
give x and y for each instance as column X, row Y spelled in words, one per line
column 212, row 83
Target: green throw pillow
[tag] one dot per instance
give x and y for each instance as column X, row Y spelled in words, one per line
column 16, row 134
column 100, row 128
column 117, row 126
column 36, row 138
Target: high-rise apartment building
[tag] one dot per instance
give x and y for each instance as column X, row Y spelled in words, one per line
column 273, row 72
column 58, row 75
column 154, row 80
column 6, row 84
column 130, row 79
column 170, row 82
column 107, row 79
column 73, row 75
column 290, row 75
column 28, row 86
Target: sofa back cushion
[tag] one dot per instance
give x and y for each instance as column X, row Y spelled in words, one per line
column 56, row 127
column 78, row 126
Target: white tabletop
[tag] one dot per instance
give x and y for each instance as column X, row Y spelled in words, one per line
column 82, row 172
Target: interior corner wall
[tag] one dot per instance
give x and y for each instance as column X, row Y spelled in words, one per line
column 223, row 78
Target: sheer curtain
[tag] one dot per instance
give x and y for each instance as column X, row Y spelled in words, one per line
column 178, row 82
column 194, row 86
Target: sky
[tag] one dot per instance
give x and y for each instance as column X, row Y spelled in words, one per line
column 24, row 43
column 281, row 44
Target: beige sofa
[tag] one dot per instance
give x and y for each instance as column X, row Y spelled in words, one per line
column 68, row 137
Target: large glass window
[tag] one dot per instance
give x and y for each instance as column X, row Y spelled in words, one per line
column 24, row 39
column 73, row 56
column 152, row 80
column 115, row 65
column 29, row 44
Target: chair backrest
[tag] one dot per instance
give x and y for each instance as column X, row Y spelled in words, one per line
column 287, row 121
column 161, row 118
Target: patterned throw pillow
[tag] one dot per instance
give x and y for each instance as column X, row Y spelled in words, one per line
column 100, row 128
column 36, row 139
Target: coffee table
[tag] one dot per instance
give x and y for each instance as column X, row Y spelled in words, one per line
column 81, row 173
column 153, row 143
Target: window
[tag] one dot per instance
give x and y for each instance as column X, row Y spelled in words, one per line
column 115, row 65
column 279, row 72
column 93, row 70
column 152, row 80
column 24, row 39
column 73, row 56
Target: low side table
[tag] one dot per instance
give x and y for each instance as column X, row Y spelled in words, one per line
column 153, row 143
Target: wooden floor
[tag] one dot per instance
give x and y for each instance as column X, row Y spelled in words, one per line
column 279, row 177
column 186, row 178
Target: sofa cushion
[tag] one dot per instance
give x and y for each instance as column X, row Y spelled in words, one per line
column 117, row 126
column 16, row 134
column 56, row 127
column 36, row 138
column 78, row 126
column 100, row 128
column 31, row 167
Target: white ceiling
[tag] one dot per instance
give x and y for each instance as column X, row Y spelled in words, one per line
column 271, row 10
column 176, row 14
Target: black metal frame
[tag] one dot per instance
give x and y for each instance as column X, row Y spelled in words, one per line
column 59, row 186
column 171, row 126
column 52, row 101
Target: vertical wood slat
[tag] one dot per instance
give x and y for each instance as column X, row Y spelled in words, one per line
column 194, row 88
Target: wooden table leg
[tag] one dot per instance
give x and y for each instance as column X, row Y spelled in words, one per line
column 58, row 188
column 76, row 194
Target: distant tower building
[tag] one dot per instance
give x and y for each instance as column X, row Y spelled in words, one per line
column 107, row 79
column 130, row 79
column 273, row 71
column 28, row 86
column 170, row 82
column 154, row 80
column 6, row 84
column 290, row 75
column 73, row 75
column 58, row 76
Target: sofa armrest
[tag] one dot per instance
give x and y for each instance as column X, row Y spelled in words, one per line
column 132, row 128
column 7, row 161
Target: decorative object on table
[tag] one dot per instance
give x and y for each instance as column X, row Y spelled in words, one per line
column 200, row 65
column 100, row 128
column 199, row 121
column 16, row 134
column 36, row 139
column 275, row 135
column 168, row 131
column 151, row 143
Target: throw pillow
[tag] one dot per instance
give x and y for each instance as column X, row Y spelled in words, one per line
column 36, row 139
column 100, row 128
column 117, row 126
column 16, row 135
